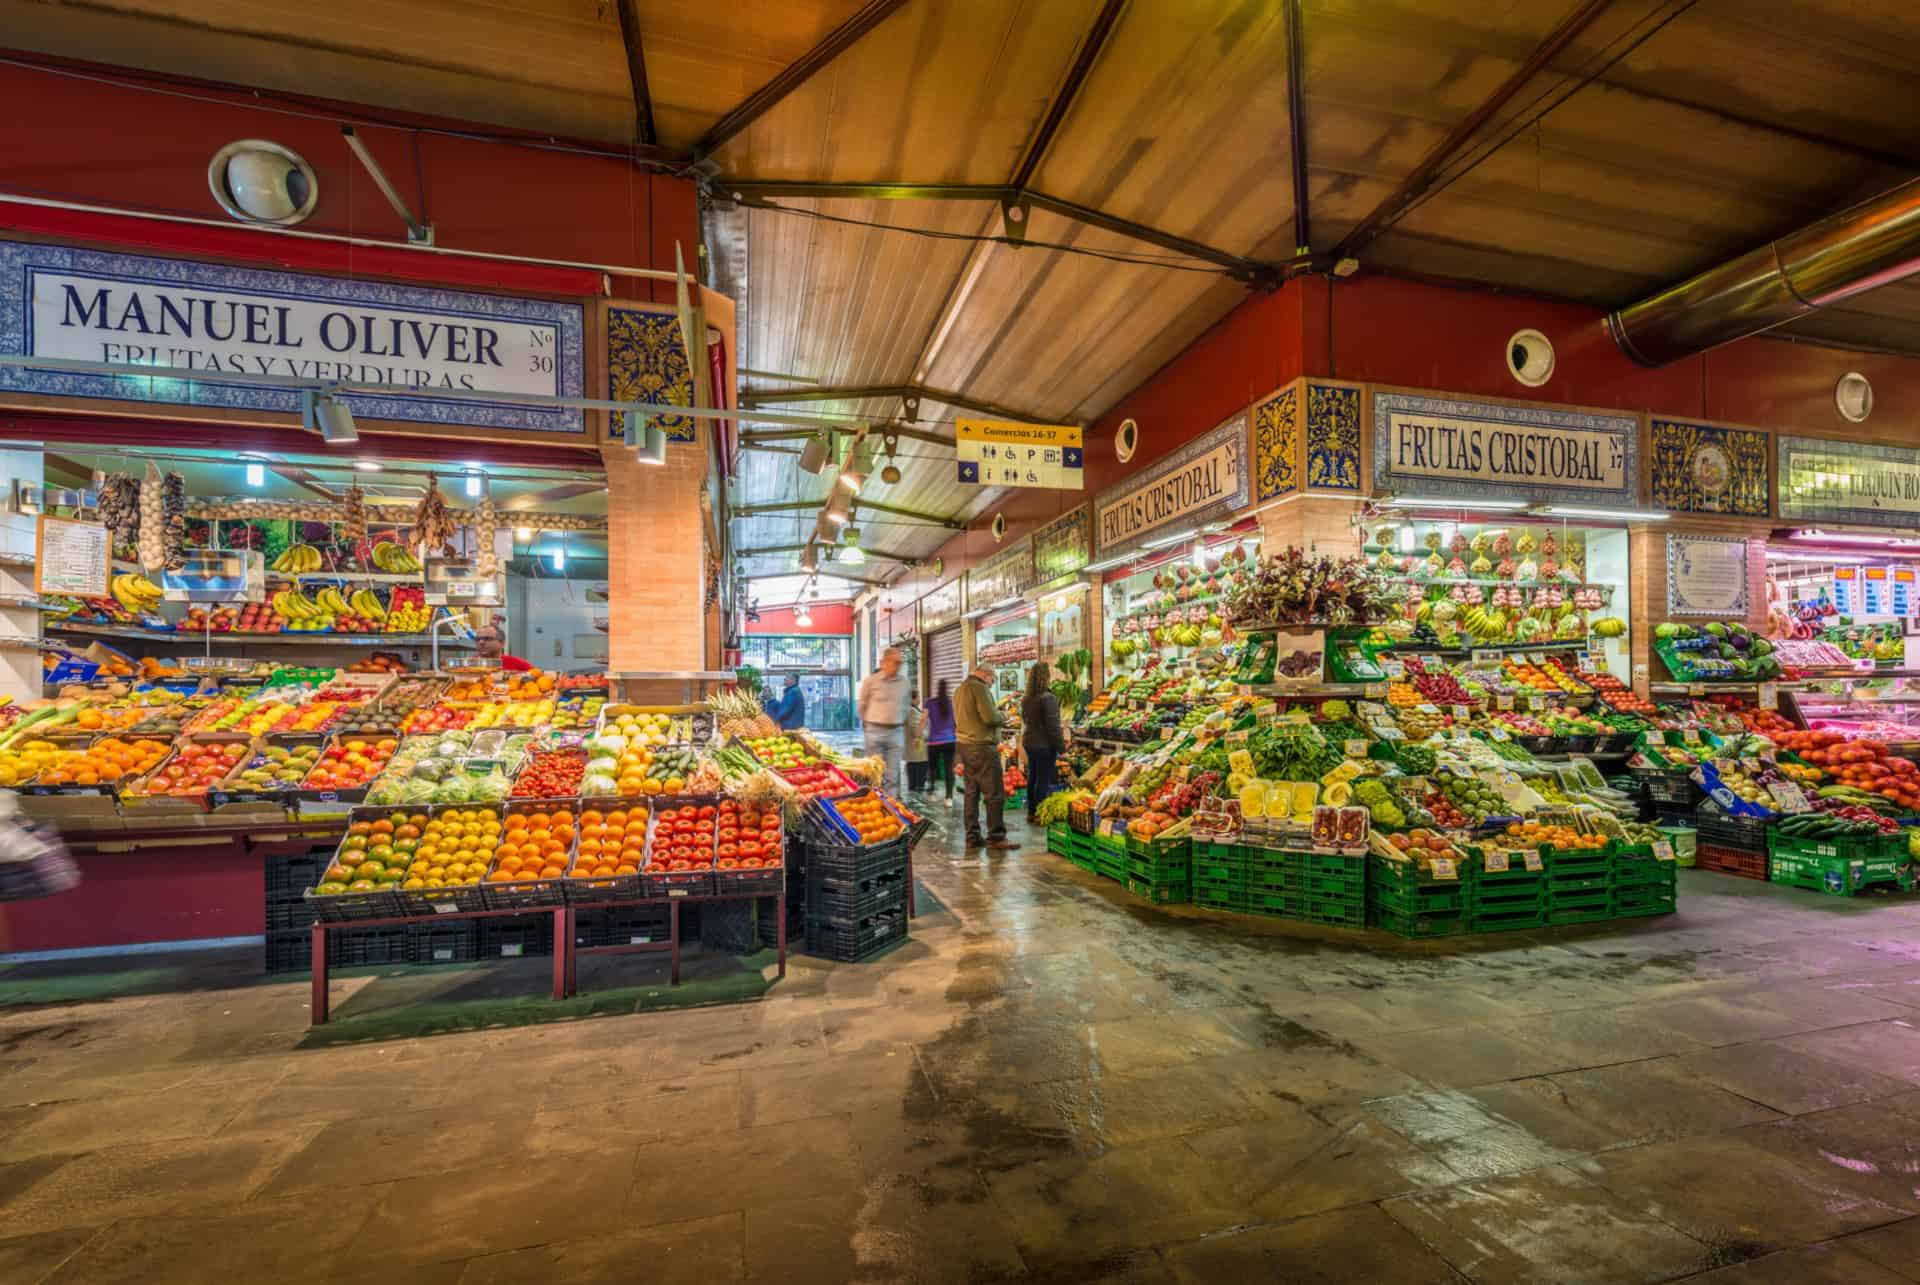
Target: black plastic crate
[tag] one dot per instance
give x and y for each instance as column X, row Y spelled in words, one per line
column 1748, row 834
column 515, row 935
column 290, row 952
column 450, row 943
column 291, row 876
column 768, row 922
column 851, row 899
column 360, row 946
column 831, row 861
column 621, row 926
column 853, row 943
column 284, row 915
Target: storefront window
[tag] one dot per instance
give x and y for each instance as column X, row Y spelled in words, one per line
column 822, row 662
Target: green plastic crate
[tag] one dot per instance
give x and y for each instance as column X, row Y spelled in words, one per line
column 1161, row 894
column 1273, row 905
column 1843, row 847
column 1448, row 923
column 1558, row 916
column 1638, row 873
column 1270, row 879
column 1235, row 902
column 1507, row 919
column 1343, row 912
column 1834, row 876
column 1219, row 871
column 1059, row 839
column 1402, row 887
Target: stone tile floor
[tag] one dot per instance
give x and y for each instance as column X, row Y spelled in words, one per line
column 1051, row 1082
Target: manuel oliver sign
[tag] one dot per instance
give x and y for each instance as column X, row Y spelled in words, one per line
column 1444, row 447
column 89, row 306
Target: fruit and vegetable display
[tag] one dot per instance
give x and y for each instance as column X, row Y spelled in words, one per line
column 747, row 837
column 534, row 845
column 780, row 752
column 683, row 838
column 277, row 767
column 195, row 768
column 869, row 818
column 552, row 776
column 612, row 843
column 349, row 763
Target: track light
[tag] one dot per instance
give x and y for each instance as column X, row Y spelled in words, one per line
column 803, row 618
column 331, row 416
column 853, row 556
column 810, row 558
column 473, row 486
column 813, row 456
column 256, row 475
column 852, row 480
column 839, row 512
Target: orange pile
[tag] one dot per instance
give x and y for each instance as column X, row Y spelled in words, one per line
column 613, row 843
column 534, row 845
column 104, row 761
column 870, row 818
column 1531, row 834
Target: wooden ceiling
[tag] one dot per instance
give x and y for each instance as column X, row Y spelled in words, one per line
column 1657, row 138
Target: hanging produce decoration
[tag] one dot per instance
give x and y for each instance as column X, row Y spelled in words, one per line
column 355, row 521
column 120, row 508
column 153, row 522
column 432, row 525
column 1292, row 587
column 486, row 525
column 174, row 506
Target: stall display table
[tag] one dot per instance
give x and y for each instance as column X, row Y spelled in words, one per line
column 565, row 948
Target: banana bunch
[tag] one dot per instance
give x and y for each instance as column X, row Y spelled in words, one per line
column 135, row 592
column 297, row 559
column 331, row 603
column 294, row 605
column 366, row 603
column 394, row 559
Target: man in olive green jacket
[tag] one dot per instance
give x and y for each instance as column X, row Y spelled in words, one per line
column 976, row 733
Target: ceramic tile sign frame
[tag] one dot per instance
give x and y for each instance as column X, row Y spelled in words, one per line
column 1858, row 482
column 940, row 605
column 1006, row 574
column 1447, row 447
column 1205, row 479
column 1063, row 546
column 1707, row 576
column 66, row 302
column 1707, row 468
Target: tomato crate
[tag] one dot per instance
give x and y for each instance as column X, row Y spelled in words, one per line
column 1218, row 853
column 1834, row 876
column 1330, row 863
column 1163, row 894
column 1749, row 834
column 1158, row 848
column 1562, row 887
column 1647, row 899
column 853, row 863
column 1227, row 872
column 1446, row 923
column 1844, row 846
column 1732, row 861
column 1506, row 919
column 1502, row 898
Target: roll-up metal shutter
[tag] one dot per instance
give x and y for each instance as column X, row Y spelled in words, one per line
column 946, row 658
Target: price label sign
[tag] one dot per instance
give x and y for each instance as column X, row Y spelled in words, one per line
column 1427, row 707
column 1500, row 734
column 1663, row 851
column 1264, row 709
column 1356, row 748
column 1376, row 691
column 1696, row 689
column 1503, row 701
column 1483, row 656
column 1443, row 868
column 1463, row 711
column 1789, row 796
column 1769, row 696
column 1390, row 734
column 1533, row 861
column 1395, row 669
column 1237, row 738
column 1416, row 785
column 1691, row 735
column 1497, row 862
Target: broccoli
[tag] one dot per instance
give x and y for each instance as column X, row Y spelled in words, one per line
column 1387, row 814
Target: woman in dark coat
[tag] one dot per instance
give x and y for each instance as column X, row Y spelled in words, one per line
column 1041, row 736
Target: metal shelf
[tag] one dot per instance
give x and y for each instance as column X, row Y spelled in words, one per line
column 365, row 577
column 200, row 637
column 1557, row 644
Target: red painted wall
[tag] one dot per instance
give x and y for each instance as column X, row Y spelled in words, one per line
column 828, row 618
column 131, row 147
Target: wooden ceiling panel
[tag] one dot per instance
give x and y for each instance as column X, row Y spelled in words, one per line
column 937, row 93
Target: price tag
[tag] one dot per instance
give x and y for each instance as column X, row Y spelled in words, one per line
column 1769, row 696
column 1427, row 707
column 1500, row 734
column 1430, row 661
column 444, row 907
column 1663, row 851
column 513, row 950
column 1496, row 862
column 1788, row 795
column 1372, row 711
column 1533, row 861
column 1415, row 785
column 1244, row 690
column 1696, row 689
column 1395, row 669
column 1264, row 709
column 1691, row 735
column 1356, row 748
column 1390, row 734
column 1484, row 656
column 1376, row 691
column 1537, row 658
column 1443, row 868
column 1503, row 701
column 1295, row 719
column 1237, row 738
column 1463, row 711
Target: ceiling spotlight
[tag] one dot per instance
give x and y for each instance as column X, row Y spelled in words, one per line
column 838, row 512
column 813, row 456
column 560, row 558
column 810, row 558
column 852, row 480
column 334, row 420
column 853, row 556
column 256, row 475
column 890, row 474
column 803, row 618
column 473, row 485
column 523, row 533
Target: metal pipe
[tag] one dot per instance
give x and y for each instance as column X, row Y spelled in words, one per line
column 1835, row 258
column 1297, row 131
column 371, row 243
column 418, row 233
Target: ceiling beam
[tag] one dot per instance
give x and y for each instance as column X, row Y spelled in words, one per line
column 878, row 430
column 818, row 575
column 762, row 193
column 637, row 72
column 905, row 392
column 1423, row 175
column 1297, row 131
column 952, row 524
column 763, row 99
column 774, row 550
column 1096, row 40
column 782, row 506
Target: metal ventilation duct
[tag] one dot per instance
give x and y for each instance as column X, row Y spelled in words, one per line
column 1842, row 255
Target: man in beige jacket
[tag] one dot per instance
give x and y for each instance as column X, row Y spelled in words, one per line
column 976, row 733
